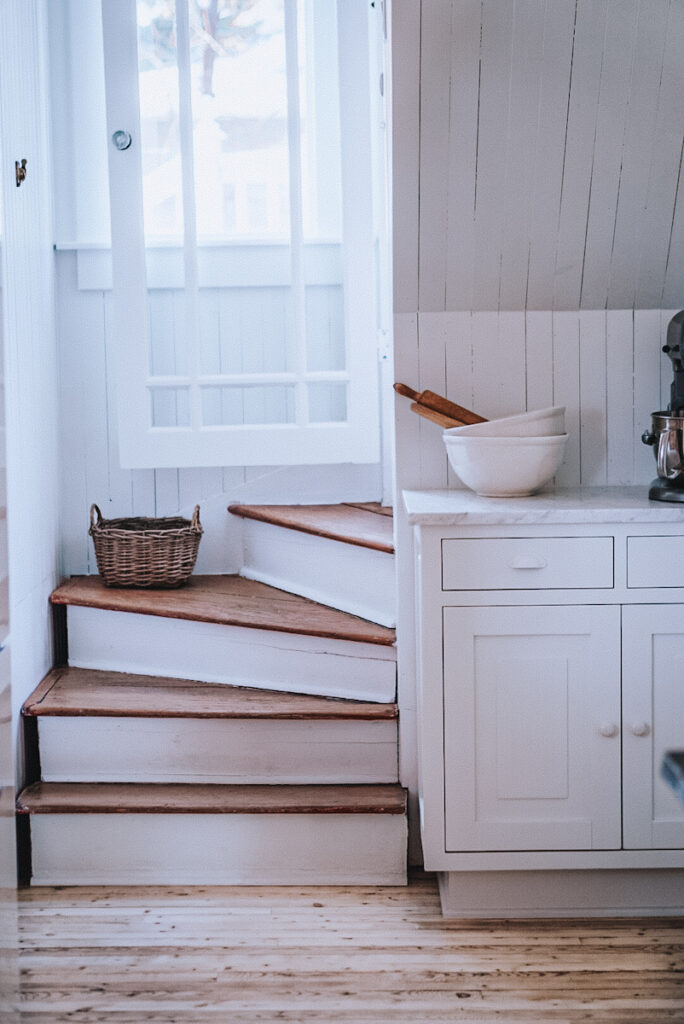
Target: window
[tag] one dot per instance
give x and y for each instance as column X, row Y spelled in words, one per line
column 243, row 246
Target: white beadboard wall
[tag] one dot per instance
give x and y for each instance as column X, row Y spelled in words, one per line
column 90, row 464
column 30, row 363
column 538, row 235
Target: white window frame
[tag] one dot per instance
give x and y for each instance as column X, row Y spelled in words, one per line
column 140, row 444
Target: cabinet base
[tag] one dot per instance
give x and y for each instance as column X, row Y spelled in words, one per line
column 525, row 894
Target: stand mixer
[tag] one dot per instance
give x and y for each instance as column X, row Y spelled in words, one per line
column 667, row 428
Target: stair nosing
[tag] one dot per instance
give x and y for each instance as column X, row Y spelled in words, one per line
column 347, row 627
column 210, row 798
column 266, row 514
column 323, row 709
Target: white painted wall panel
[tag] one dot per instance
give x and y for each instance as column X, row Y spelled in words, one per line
column 405, row 41
column 550, row 144
column 546, row 181
column 30, row 365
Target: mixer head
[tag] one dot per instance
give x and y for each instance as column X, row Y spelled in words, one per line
column 675, row 350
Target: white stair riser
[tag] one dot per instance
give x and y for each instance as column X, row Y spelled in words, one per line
column 99, row 749
column 293, row 663
column 218, row 849
column 345, row 576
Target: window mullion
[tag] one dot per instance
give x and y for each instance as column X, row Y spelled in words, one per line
column 296, row 210
column 189, row 210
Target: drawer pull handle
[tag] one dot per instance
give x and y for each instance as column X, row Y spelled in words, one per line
column 527, row 562
column 641, row 729
column 609, row 729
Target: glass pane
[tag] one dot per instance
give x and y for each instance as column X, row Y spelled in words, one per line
column 244, row 330
column 170, row 407
column 232, row 406
column 160, row 144
column 327, row 403
column 319, row 104
column 168, row 351
column 240, row 119
column 325, row 328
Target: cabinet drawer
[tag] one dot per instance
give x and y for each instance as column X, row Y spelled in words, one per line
column 655, row 562
column 527, row 563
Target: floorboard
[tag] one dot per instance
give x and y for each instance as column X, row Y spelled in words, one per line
column 344, row 955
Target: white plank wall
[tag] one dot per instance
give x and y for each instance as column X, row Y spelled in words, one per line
column 605, row 366
column 550, row 148
column 30, row 364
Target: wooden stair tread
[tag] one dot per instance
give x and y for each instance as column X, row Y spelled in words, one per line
column 226, row 600
column 68, row 691
column 365, row 525
column 185, row 798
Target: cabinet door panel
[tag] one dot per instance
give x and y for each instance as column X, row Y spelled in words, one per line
column 653, row 701
column 527, row 692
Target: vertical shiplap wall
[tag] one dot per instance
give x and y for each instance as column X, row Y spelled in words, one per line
column 550, row 137
column 538, row 234
column 30, row 345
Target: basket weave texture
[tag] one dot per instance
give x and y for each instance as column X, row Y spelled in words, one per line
column 142, row 552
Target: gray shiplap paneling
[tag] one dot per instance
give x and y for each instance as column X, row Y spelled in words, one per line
column 550, row 153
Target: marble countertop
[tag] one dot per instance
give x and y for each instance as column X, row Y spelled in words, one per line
column 574, row 505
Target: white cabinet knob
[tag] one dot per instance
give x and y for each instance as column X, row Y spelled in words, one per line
column 609, row 729
column 641, row 729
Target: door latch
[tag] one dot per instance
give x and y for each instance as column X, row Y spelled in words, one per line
column 20, row 171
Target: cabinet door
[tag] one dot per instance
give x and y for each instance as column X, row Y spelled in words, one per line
column 653, row 722
column 531, row 728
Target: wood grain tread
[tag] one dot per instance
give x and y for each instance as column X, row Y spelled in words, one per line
column 185, row 798
column 69, row 691
column 229, row 601
column 365, row 525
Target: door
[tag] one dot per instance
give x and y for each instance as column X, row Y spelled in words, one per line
column 531, row 728
column 653, row 722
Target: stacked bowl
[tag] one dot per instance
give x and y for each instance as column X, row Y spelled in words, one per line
column 509, row 457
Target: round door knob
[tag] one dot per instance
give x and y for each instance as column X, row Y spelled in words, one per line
column 641, row 729
column 122, row 140
column 609, row 729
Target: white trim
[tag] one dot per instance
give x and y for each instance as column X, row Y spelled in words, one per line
column 189, row 210
column 119, row 26
column 294, row 129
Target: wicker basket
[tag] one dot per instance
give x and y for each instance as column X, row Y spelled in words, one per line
column 145, row 552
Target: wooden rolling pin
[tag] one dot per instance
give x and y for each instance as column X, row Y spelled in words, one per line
column 436, row 417
column 425, row 401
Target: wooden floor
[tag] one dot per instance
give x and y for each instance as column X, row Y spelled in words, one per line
column 326, row 955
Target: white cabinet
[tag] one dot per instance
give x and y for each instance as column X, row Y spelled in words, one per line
column 550, row 643
column 532, row 728
column 653, row 722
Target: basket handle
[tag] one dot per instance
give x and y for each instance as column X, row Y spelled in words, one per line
column 94, row 510
column 196, row 525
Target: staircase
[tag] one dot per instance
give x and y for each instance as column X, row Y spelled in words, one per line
column 235, row 731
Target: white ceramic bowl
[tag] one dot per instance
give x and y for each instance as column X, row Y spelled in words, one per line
column 538, row 423
column 505, row 467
